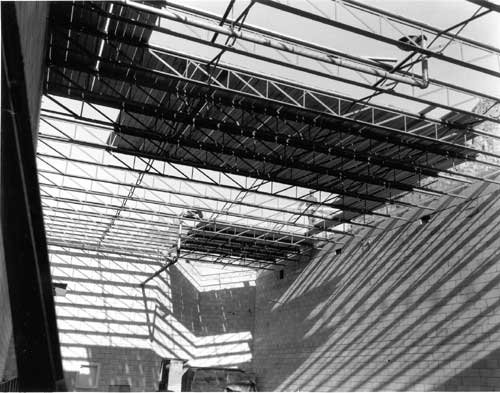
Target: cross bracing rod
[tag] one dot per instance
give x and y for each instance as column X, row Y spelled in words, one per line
column 91, row 144
column 286, row 140
column 256, row 232
column 145, row 254
column 442, row 85
column 419, row 26
column 211, row 246
column 412, row 96
column 138, row 259
column 337, row 149
column 364, row 132
column 383, row 16
column 92, row 252
column 486, row 4
column 243, row 152
column 299, row 199
column 276, row 159
column 235, row 170
column 143, row 251
column 282, row 46
column 368, row 129
column 368, row 157
column 57, row 229
column 373, row 35
column 69, row 212
column 264, row 219
column 292, row 210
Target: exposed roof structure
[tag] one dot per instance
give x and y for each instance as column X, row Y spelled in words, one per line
column 136, row 136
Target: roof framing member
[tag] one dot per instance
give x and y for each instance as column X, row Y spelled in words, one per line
column 378, row 37
column 83, row 253
column 419, row 99
column 419, row 25
column 242, row 152
column 302, row 199
column 280, row 46
column 279, row 178
column 486, row 4
column 327, row 121
column 262, row 206
column 268, row 218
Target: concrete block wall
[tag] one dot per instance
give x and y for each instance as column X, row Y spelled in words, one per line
column 211, row 312
column 187, row 313
column 32, row 21
column 32, row 18
column 413, row 307
column 8, row 367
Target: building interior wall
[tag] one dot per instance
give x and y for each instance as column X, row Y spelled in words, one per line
column 32, row 24
column 29, row 347
column 413, row 307
column 8, row 367
column 199, row 314
column 32, row 20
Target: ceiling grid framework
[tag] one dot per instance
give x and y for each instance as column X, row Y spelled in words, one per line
column 141, row 144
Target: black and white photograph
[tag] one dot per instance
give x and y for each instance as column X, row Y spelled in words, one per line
column 250, row 196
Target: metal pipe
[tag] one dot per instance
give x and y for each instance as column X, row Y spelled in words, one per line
column 373, row 35
column 486, row 4
column 276, row 45
column 158, row 272
column 441, row 84
column 373, row 61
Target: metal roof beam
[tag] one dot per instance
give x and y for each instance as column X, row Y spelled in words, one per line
column 282, row 46
column 122, row 73
column 486, row 4
column 267, row 218
column 303, row 199
column 412, row 96
column 250, row 172
column 378, row 37
column 286, row 140
column 272, row 209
